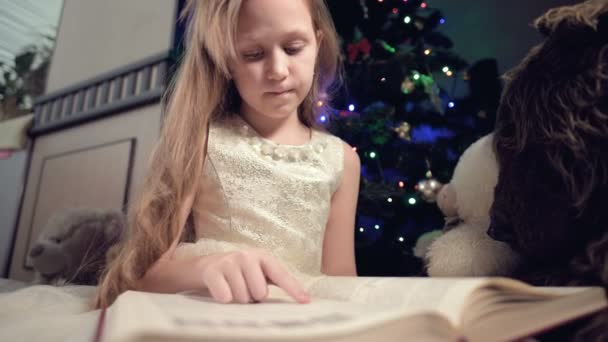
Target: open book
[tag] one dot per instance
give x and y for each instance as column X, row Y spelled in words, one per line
column 357, row 309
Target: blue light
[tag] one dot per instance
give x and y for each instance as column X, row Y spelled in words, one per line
column 351, row 107
column 451, row 104
column 323, row 118
column 442, row 21
column 423, row 133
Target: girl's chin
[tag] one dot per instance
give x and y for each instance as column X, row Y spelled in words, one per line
column 279, row 112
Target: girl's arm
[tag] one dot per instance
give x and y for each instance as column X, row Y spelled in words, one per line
column 167, row 275
column 339, row 242
column 241, row 276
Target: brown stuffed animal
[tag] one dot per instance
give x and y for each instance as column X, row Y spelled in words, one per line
column 75, row 245
column 551, row 142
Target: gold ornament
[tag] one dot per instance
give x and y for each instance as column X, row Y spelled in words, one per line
column 403, row 130
column 407, row 86
column 428, row 189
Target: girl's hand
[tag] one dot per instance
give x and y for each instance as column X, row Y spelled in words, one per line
column 241, row 276
column 244, row 276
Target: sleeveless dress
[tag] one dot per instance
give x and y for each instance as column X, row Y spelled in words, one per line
column 257, row 193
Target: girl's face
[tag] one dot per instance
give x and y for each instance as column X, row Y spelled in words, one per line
column 276, row 54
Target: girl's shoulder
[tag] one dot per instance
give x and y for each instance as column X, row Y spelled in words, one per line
column 329, row 141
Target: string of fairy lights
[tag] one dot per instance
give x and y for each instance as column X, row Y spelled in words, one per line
column 427, row 188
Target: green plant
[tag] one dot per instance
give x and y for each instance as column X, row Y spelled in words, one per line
column 24, row 80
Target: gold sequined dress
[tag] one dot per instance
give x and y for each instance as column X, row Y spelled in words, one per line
column 257, row 193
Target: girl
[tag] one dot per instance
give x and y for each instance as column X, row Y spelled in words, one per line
column 239, row 163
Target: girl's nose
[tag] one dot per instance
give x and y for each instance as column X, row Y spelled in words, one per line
column 277, row 67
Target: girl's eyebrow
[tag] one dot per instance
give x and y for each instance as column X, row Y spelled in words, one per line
column 296, row 33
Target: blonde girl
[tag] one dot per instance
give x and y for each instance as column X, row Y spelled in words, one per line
column 243, row 189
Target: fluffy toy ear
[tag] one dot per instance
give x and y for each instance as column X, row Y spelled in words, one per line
column 115, row 225
column 576, row 18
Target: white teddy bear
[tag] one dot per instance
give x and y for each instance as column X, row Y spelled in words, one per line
column 464, row 248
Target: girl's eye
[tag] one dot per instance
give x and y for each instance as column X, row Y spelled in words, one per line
column 257, row 55
column 56, row 240
column 253, row 56
column 292, row 50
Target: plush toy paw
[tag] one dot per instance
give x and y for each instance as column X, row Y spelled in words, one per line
column 465, row 251
column 424, row 242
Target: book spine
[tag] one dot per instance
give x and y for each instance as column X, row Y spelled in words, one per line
column 100, row 326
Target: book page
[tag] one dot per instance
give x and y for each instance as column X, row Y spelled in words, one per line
column 341, row 307
column 447, row 296
column 171, row 315
column 518, row 314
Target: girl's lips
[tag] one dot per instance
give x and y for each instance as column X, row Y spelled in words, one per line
column 280, row 93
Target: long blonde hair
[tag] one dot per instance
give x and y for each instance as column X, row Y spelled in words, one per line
column 200, row 92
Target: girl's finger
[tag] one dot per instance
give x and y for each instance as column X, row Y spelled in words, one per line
column 256, row 281
column 219, row 288
column 281, row 278
column 238, row 285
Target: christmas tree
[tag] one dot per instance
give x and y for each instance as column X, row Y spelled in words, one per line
column 407, row 129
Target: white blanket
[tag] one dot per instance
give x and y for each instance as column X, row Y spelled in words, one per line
column 46, row 313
